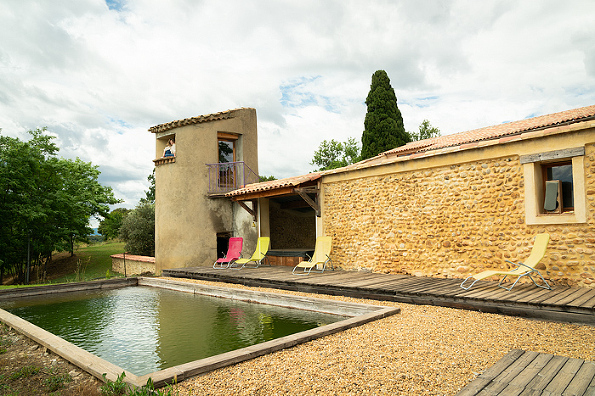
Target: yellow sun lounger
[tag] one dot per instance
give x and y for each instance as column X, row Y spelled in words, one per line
column 262, row 247
column 522, row 269
column 317, row 262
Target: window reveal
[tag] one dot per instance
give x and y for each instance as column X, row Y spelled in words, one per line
column 558, row 187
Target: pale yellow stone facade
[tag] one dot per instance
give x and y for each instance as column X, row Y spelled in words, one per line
column 453, row 213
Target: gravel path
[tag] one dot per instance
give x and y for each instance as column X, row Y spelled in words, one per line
column 425, row 350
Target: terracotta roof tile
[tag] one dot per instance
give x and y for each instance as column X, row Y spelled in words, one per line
column 222, row 115
column 482, row 137
column 276, row 184
column 497, row 131
column 497, row 134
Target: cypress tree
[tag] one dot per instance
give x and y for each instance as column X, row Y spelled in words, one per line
column 383, row 125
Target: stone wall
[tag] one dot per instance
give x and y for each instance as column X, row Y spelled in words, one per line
column 135, row 265
column 452, row 221
column 291, row 229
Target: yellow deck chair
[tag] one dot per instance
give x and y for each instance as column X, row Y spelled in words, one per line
column 522, row 269
column 262, row 247
column 319, row 259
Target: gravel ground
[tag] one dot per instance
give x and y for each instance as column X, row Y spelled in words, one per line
column 425, row 350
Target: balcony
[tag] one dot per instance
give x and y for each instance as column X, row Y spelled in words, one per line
column 228, row 176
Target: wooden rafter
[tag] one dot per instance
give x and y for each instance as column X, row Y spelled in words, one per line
column 303, row 192
column 253, row 212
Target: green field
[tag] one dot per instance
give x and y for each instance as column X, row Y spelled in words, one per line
column 95, row 261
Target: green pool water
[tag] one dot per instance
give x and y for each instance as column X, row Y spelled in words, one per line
column 146, row 329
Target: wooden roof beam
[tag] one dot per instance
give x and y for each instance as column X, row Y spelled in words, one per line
column 303, row 192
column 253, row 211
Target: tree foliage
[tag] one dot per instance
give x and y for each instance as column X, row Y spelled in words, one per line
column 332, row 154
column 266, row 178
column 425, row 131
column 138, row 230
column 109, row 227
column 150, row 193
column 45, row 201
column 383, row 125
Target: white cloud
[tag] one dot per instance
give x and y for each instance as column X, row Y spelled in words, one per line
column 99, row 74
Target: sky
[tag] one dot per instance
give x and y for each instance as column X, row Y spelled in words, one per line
column 99, row 73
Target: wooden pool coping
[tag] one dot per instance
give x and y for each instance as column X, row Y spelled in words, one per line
column 358, row 314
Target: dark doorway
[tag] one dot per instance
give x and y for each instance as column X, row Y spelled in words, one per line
column 222, row 243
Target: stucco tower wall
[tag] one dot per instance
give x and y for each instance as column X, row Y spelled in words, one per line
column 187, row 219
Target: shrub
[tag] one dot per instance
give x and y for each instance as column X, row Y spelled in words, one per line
column 138, row 230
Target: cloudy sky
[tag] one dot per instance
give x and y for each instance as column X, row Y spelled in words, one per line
column 99, row 73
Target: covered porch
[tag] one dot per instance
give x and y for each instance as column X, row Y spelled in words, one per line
column 286, row 210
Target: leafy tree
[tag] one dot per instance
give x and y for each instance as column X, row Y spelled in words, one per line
column 138, row 230
column 46, row 201
column 109, row 227
column 150, row 193
column 332, row 154
column 266, row 178
column 383, row 125
column 426, row 131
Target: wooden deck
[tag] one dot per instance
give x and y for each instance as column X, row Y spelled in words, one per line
column 569, row 304
column 532, row 373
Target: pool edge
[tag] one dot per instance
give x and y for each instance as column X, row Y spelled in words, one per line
column 97, row 366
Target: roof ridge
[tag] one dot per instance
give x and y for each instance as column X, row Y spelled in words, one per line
column 498, row 130
column 221, row 115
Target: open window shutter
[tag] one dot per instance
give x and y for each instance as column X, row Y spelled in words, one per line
column 553, row 196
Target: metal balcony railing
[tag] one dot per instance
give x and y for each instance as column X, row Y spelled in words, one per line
column 229, row 176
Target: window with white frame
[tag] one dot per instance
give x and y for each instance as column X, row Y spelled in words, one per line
column 555, row 187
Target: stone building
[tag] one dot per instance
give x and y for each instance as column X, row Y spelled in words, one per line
column 458, row 204
column 215, row 153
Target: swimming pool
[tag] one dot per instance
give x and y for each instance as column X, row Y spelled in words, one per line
column 355, row 314
column 145, row 329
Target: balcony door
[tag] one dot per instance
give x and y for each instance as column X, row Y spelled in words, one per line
column 227, row 143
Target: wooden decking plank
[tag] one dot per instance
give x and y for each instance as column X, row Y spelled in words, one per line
column 591, row 388
column 581, row 381
column 515, row 296
column 503, row 380
column 577, row 293
column 586, row 300
column 475, row 289
column 532, row 370
column 489, row 289
column 358, row 281
column 381, row 284
column 450, row 290
column 528, row 290
column 335, row 278
column 587, row 305
column 492, row 285
column 418, row 284
column 563, row 378
column 489, row 293
column 541, row 381
column 437, row 290
column 534, row 295
column 414, row 287
column 525, row 299
column 556, row 294
column 492, row 372
column 405, row 285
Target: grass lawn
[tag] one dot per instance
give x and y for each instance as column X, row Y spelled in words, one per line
column 95, row 261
